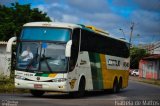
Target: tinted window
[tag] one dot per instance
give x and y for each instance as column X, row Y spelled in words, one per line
column 94, row 42
column 74, row 49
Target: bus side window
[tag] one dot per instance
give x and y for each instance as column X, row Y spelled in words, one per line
column 74, row 49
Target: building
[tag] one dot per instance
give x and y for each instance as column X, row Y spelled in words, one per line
column 153, row 48
column 156, row 48
column 149, row 67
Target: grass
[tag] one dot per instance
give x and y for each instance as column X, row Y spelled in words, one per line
column 7, row 85
column 149, row 81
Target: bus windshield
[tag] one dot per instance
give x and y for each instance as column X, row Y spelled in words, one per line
column 42, row 49
column 41, row 57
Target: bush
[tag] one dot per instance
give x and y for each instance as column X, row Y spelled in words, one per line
column 7, row 85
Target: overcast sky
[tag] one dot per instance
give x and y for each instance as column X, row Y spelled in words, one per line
column 109, row 15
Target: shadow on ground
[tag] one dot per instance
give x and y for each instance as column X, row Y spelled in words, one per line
column 87, row 94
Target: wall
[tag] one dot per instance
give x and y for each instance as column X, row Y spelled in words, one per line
column 5, row 61
column 157, row 50
column 149, row 69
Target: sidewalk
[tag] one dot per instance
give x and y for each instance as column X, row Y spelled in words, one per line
column 149, row 81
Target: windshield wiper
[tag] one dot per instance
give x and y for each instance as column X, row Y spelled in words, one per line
column 45, row 59
column 31, row 62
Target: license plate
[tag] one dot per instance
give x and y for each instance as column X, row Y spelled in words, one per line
column 37, row 85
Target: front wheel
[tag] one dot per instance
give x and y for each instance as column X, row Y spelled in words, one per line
column 37, row 93
column 81, row 89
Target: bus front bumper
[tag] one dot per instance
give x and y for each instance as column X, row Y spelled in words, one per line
column 45, row 86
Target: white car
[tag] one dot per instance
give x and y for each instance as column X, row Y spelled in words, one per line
column 135, row 72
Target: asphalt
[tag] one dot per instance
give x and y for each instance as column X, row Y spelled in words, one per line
column 136, row 94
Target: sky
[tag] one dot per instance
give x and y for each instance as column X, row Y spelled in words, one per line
column 108, row 15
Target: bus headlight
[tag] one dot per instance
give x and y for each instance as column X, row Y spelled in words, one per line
column 20, row 77
column 59, row 80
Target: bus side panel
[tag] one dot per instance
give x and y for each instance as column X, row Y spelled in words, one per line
column 95, row 63
column 117, row 67
column 85, row 69
column 126, row 78
column 106, row 74
column 97, row 71
column 82, row 68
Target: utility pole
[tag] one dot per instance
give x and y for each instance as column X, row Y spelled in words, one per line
column 130, row 40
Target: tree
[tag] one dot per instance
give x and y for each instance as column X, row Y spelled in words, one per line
column 12, row 19
column 136, row 54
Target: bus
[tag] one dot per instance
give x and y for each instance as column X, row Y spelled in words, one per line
column 70, row 58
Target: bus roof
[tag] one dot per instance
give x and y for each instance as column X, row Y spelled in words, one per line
column 71, row 26
column 98, row 30
column 52, row 24
column 104, row 33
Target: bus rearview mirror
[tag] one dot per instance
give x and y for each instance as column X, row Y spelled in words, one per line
column 68, row 48
column 9, row 44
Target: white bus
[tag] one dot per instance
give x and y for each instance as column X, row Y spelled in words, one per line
column 69, row 58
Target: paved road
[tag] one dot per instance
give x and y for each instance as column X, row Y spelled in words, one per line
column 139, row 94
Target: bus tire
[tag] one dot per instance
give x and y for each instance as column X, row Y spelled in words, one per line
column 115, row 88
column 37, row 93
column 81, row 89
column 120, row 83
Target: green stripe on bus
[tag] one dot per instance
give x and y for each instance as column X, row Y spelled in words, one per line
column 96, row 71
column 42, row 74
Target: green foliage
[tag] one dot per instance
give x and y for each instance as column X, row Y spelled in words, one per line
column 12, row 19
column 7, row 85
column 136, row 54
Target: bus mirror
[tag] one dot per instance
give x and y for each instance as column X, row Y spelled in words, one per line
column 68, row 48
column 9, row 44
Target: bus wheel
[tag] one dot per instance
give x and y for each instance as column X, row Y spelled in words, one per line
column 115, row 88
column 120, row 83
column 81, row 89
column 37, row 93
